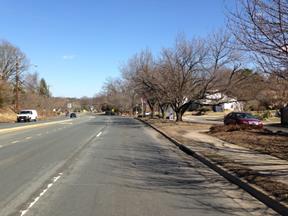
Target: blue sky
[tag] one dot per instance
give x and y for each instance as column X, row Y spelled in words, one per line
column 77, row 44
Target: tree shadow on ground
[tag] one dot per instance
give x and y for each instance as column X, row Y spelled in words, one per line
column 117, row 121
column 148, row 166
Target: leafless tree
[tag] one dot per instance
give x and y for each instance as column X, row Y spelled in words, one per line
column 118, row 96
column 180, row 70
column 140, row 74
column 9, row 56
column 261, row 26
column 184, row 73
column 194, row 69
column 31, row 82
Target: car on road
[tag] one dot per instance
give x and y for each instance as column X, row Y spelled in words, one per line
column 73, row 115
column 238, row 118
column 27, row 116
column 109, row 113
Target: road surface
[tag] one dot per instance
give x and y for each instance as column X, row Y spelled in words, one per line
column 107, row 165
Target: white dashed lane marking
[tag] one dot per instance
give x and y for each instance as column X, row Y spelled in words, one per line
column 23, row 212
column 99, row 134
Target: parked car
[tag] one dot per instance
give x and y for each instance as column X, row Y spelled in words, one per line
column 27, row 116
column 242, row 118
column 73, row 115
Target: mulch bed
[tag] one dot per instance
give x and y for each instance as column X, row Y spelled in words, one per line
column 258, row 139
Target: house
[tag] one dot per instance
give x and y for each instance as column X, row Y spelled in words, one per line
column 221, row 102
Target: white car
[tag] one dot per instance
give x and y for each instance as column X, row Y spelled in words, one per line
column 27, row 115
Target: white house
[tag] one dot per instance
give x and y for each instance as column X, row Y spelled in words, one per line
column 223, row 101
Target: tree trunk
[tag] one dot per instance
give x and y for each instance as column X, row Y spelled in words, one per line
column 162, row 111
column 152, row 112
column 179, row 116
column 151, row 106
column 180, row 112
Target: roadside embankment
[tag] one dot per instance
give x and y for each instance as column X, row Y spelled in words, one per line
column 7, row 115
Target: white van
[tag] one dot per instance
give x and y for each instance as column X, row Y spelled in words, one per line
column 27, row 115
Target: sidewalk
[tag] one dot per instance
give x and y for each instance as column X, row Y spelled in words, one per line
column 265, row 165
column 267, row 173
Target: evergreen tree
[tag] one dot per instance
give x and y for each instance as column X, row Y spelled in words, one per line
column 43, row 88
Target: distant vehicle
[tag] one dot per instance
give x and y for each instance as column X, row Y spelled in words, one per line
column 73, row 115
column 242, row 118
column 109, row 113
column 27, row 116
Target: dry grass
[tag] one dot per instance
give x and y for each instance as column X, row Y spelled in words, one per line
column 7, row 115
column 186, row 126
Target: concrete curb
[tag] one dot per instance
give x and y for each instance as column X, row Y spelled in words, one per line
column 254, row 191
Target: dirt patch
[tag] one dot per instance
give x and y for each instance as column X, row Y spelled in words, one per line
column 261, row 140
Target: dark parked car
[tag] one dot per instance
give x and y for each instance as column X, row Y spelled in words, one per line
column 73, row 115
column 242, row 118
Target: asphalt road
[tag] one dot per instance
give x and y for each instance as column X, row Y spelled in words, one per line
column 107, row 165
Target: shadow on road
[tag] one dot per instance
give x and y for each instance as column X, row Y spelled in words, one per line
column 116, row 121
column 145, row 165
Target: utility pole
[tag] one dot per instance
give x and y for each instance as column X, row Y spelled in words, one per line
column 17, row 86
